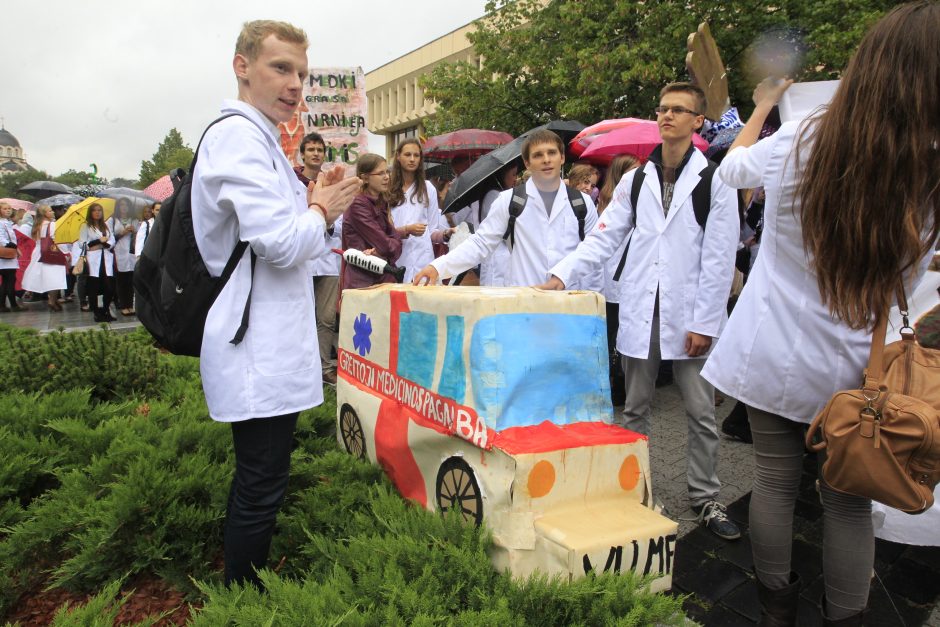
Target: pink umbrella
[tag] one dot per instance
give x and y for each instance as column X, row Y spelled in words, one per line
column 638, row 140
column 584, row 139
column 160, row 189
column 467, row 142
column 16, row 203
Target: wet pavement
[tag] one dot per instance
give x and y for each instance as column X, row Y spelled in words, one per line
column 37, row 315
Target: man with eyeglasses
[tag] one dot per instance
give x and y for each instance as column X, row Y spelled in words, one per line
column 675, row 284
column 325, row 268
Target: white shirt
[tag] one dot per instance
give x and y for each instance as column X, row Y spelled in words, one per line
column 8, row 236
column 327, row 264
column 417, row 251
column 122, row 248
column 690, row 267
column 782, row 351
column 542, row 239
column 143, row 232
column 93, row 256
column 244, row 187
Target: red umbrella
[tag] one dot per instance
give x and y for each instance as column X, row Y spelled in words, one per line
column 160, row 189
column 584, row 139
column 468, row 142
column 638, row 140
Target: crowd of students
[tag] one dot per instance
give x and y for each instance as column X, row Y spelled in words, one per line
column 104, row 254
column 854, row 179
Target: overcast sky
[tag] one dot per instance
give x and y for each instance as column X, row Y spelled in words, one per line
column 102, row 81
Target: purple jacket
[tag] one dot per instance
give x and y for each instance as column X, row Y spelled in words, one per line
column 366, row 225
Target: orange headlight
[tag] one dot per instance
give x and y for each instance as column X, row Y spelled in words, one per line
column 629, row 474
column 541, row 479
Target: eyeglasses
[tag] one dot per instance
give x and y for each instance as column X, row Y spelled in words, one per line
column 661, row 110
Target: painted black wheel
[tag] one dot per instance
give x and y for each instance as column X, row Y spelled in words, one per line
column 458, row 490
column 350, row 430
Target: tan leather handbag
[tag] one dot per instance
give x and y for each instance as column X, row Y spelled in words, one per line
column 882, row 441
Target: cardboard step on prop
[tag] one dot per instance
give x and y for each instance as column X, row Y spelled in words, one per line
column 494, row 404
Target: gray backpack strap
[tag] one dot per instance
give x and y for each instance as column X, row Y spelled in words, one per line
column 579, row 207
column 634, row 198
column 516, row 205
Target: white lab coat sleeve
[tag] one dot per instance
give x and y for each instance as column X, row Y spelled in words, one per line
column 719, row 243
column 604, row 235
column 139, row 238
column 744, row 167
column 241, row 169
column 478, row 246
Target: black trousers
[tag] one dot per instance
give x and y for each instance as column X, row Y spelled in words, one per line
column 262, row 465
column 95, row 285
column 125, row 289
column 9, row 287
column 617, row 392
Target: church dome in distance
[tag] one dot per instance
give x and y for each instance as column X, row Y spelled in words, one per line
column 7, row 139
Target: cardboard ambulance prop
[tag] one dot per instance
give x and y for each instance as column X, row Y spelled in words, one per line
column 495, row 402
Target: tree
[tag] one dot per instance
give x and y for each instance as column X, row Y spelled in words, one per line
column 73, row 178
column 172, row 153
column 595, row 59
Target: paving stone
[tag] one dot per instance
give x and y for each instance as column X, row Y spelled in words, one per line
column 743, row 600
column 703, row 539
column 913, row 580
column 688, row 558
column 929, row 556
column 889, row 609
column 721, row 616
column 887, row 552
column 806, row 559
column 807, row 614
column 712, row 580
column 695, row 609
column 738, row 552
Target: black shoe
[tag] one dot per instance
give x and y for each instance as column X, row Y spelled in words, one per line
column 736, row 425
column 778, row 607
column 109, row 318
column 714, row 517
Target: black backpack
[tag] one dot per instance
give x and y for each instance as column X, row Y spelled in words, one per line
column 173, row 288
column 701, row 202
column 517, row 204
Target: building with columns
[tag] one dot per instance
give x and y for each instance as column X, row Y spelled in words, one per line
column 397, row 105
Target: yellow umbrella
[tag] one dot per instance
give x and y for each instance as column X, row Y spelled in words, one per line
column 68, row 226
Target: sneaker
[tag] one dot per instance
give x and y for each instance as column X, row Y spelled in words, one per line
column 714, row 517
column 329, row 377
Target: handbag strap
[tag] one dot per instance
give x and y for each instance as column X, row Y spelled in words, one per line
column 875, row 370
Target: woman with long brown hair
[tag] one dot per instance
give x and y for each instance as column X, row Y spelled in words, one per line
column 368, row 224
column 414, row 206
column 42, row 277
column 851, row 209
column 98, row 241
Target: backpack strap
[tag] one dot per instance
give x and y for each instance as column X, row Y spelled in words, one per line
column 702, row 194
column 634, row 198
column 516, row 205
column 579, row 207
column 226, row 273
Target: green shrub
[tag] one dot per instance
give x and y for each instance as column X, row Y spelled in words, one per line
column 111, row 365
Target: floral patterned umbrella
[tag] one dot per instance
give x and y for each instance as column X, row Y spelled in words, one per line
column 468, row 142
column 160, row 189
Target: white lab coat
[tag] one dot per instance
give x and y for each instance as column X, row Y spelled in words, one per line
column 327, row 264
column 541, row 240
column 782, row 351
column 417, row 251
column 691, row 267
column 124, row 260
column 93, row 256
column 8, row 236
column 494, row 270
column 140, row 237
column 245, row 188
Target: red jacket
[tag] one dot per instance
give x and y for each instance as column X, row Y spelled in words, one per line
column 366, row 225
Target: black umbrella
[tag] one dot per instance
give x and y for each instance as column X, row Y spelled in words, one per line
column 137, row 197
column 44, row 189
column 479, row 178
column 61, row 200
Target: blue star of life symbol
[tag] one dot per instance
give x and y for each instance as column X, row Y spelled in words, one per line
column 362, row 329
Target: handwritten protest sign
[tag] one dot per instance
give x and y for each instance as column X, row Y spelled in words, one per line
column 334, row 105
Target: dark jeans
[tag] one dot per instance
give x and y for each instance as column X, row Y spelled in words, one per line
column 125, row 290
column 262, row 465
column 9, row 287
column 617, row 392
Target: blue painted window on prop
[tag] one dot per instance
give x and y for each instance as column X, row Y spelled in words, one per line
column 417, row 347
column 529, row 368
column 453, row 383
